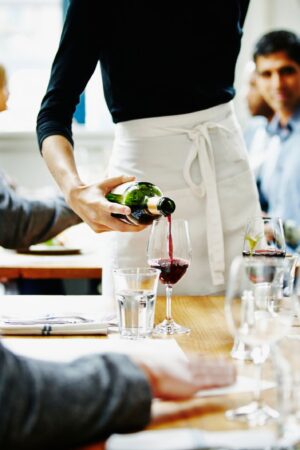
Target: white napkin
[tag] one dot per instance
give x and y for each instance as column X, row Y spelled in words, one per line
column 242, row 384
column 55, row 325
column 192, row 439
column 54, row 329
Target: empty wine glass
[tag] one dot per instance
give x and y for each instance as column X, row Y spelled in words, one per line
column 257, row 314
column 169, row 249
column 264, row 236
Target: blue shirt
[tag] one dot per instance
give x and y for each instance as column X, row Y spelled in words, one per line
column 279, row 174
column 253, row 124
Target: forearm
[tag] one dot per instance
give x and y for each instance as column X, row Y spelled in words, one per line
column 87, row 200
column 64, row 406
column 59, row 156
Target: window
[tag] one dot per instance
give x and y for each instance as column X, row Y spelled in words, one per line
column 29, row 36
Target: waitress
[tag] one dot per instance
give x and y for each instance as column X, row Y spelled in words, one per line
column 168, row 74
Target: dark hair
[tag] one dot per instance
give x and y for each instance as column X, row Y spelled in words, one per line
column 278, row 41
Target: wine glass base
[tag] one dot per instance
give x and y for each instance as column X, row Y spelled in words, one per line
column 241, row 351
column 255, row 414
column 169, row 327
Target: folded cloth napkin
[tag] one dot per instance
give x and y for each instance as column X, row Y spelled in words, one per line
column 55, row 325
column 192, row 439
column 47, row 329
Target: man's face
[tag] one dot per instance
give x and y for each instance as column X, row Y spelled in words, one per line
column 279, row 81
column 256, row 103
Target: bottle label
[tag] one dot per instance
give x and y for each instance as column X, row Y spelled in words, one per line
column 152, row 204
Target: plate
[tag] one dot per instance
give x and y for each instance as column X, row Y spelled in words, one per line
column 41, row 249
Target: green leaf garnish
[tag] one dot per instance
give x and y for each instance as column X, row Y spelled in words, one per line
column 253, row 241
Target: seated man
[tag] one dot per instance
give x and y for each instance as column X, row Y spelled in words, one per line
column 24, row 222
column 47, row 405
column 276, row 156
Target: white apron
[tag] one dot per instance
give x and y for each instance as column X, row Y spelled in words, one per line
column 200, row 161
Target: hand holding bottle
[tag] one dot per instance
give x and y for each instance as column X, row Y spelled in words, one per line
column 90, row 203
column 87, row 200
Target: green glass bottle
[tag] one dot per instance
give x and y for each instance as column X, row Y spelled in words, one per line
column 145, row 200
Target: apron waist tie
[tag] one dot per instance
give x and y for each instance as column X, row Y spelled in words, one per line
column 202, row 151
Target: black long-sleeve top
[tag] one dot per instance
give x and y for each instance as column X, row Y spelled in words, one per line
column 157, row 58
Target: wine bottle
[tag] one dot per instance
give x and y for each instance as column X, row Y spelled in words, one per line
column 145, row 200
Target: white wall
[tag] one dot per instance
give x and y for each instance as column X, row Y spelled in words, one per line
column 20, row 158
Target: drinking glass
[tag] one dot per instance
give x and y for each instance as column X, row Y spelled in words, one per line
column 258, row 315
column 285, row 355
column 264, row 236
column 135, row 290
column 169, row 249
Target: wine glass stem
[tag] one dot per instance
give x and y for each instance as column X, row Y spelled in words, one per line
column 259, row 355
column 257, row 389
column 169, row 302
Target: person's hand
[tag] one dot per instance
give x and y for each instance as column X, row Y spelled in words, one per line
column 89, row 202
column 178, row 378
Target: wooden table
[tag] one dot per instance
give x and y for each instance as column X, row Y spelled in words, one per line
column 17, row 265
column 209, row 335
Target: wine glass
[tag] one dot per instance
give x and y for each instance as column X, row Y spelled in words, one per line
column 264, row 236
column 258, row 315
column 169, row 249
column 295, row 282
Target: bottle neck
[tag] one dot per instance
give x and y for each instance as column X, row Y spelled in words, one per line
column 160, row 206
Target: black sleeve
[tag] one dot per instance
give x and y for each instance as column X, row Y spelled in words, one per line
column 60, row 406
column 244, row 5
column 24, row 222
column 74, row 64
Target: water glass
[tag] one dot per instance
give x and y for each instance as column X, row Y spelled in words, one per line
column 135, row 291
column 285, row 357
column 258, row 314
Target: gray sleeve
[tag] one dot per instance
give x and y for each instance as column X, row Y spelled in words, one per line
column 49, row 405
column 25, row 222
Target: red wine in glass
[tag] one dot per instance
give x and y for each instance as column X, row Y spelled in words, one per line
column 171, row 269
column 169, row 249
